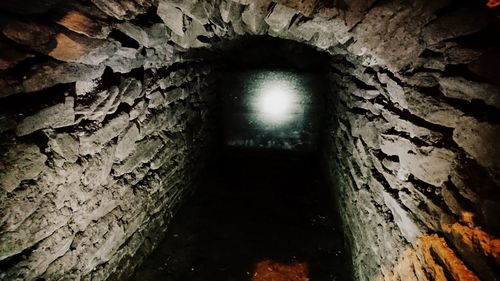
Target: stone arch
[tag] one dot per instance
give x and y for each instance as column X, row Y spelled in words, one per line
column 412, row 146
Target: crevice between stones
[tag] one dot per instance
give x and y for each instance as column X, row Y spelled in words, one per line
column 476, row 108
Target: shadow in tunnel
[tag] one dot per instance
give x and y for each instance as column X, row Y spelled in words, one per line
column 260, row 215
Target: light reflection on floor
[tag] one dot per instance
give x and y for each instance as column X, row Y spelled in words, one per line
column 268, row 270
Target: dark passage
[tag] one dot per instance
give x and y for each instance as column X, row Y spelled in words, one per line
column 265, row 209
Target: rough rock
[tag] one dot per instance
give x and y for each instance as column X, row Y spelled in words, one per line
column 280, row 18
column 21, row 162
column 125, row 59
column 43, row 224
column 429, row 164
column 172, row 16
column 84, row 87
column 405, row 223
column 460, row 88
column 163, row 156
column 144, row 152
column 432, row 109
column 191, row 38
column 395, row 91
column 86, row 20
column 156, row 99
column 479, row 139
column 108, row 106
column 92, row 143
column 127, row 143
column 65, row 46
column 199, row 11
column 122, row 9
column 411, row 129
column 389, row 33
column 66, row 146
column 43, row 255
column 56, row 116
column 254, row 16
column 99, row 168
column 48, row 74
column 130, row 89
column 459, row 22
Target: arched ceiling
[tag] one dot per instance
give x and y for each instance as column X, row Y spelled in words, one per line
column 403, row 37
column 416, row 94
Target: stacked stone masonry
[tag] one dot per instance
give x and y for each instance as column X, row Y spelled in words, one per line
column 105, row 120
column 92, row 172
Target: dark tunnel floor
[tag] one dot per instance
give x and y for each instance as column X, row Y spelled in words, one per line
column 260, row 207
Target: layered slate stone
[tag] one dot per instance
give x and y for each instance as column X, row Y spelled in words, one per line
column 411, row 143
column 67, row 189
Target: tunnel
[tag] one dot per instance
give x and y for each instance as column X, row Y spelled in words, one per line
column 265, row 140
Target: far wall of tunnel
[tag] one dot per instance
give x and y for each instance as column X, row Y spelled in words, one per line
column 101, row 136
column 273, row 99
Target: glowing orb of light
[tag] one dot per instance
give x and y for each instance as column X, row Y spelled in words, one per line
column 276, row 102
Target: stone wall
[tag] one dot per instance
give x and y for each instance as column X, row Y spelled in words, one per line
column 91, row 180
column 414, row 175
column 91, row 104
column 91, row 172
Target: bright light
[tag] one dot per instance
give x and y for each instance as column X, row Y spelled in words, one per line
column 276, row 101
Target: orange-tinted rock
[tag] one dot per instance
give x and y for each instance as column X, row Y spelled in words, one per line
column 60, row 44
column 272, row 271
column 473, row 243
column 80, row 23
column 86, row 20
column 493, row 3
column 430, row 259
column 439, row 258
column 67, row 49
column 408, row 268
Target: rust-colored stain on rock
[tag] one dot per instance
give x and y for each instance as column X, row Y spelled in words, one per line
column 432, row 255
column 272, row 271
column 76, row 22
column 67, row 49
column 440, row 259
column 493, row 3
column 475, row 239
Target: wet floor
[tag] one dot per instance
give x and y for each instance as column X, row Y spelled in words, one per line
column 261, row 216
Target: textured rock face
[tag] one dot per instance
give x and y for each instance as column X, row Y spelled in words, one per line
column 102, row 116
column 88, row 183
column 395, row 172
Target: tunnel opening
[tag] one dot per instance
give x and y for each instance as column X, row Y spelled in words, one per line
column 272, row 94
column 111, row 114
column 265, row 210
